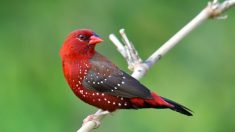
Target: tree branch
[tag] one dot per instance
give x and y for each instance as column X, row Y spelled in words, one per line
column 213, row 10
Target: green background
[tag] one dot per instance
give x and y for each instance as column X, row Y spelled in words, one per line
column 199, row 72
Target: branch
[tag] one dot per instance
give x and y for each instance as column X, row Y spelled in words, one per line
column 213, row 10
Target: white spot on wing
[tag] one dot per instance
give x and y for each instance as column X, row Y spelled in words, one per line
column 81, row 91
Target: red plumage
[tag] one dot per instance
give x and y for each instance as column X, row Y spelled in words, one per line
column 98, row 82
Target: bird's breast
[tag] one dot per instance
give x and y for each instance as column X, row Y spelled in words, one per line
column 75, row 73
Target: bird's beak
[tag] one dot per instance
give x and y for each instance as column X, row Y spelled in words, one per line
column 95, row 39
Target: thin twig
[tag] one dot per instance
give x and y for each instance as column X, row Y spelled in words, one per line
column 214, row 9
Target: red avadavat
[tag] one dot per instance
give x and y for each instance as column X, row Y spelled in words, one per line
column 98, row 82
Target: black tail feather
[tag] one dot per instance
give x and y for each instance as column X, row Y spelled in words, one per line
column 178, row 107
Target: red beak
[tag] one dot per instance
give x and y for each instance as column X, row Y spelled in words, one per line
column 95, row 40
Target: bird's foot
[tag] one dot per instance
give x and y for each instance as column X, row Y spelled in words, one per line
column 95, row 117
column 92, row 118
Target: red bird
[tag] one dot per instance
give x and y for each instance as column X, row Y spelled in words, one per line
column 98, row 82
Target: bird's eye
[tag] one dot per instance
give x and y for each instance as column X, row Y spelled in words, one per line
column 82, row 37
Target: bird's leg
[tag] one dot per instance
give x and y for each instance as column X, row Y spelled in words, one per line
column 96, row 117
column 101, row 112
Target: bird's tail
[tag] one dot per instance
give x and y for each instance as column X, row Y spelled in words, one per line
column 161, row 102
column 178, row 107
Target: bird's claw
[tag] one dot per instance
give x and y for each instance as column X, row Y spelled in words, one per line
column 95, row 118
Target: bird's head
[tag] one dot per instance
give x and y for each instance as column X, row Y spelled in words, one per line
column 80, row 42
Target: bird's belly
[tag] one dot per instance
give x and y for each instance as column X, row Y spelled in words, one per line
column 101, row 100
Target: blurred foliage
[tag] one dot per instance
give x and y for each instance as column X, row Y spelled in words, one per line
column 198, row 73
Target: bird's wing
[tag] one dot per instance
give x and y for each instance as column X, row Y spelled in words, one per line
column 107, row 78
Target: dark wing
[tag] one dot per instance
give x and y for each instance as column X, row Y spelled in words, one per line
column 106, row 77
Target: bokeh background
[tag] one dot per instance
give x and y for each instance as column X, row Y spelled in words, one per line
column 199, row 72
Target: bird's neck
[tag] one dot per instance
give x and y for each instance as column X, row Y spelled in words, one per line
column 76, row 57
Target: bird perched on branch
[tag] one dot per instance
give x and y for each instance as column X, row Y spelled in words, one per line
column 98, row 82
